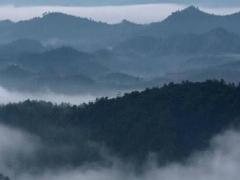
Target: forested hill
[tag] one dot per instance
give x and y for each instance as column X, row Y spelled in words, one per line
column 173, row 121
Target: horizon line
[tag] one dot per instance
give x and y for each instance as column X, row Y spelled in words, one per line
column 69, row 13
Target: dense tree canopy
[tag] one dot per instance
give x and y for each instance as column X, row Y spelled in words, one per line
column 172, row 122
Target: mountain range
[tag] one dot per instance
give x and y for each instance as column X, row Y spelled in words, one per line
column 172, row 122
column 150, row 119
column 87, row 34
column 85, row 55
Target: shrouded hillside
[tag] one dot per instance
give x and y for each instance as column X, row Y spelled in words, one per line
column 193, row 20
column 149, row 56
column 216, row 41
column 21, row 46
column 64, row 60
column 89, row 35
column 62, row 29
column 173, row 122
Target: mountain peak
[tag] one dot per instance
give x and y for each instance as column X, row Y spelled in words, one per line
column 54, row 14
column 58, row 15
column 62, row 18
column 188, row 14
column 124, row 21
column 192, row 9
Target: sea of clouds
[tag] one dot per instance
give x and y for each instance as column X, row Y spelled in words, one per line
column 220, row 162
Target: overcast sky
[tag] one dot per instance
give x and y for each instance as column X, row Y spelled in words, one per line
column 112, row 11
column 117, row 2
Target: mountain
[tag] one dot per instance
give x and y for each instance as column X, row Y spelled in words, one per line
column 14, row 71
column 6, row 24
column 153, row 56
column 34, row 68
column 122, row 81
column 62, row 70
column 172, row 122
column 228, row 71
column 193, row 20
column 21, row 46
column 216, row 41
column 71, row 84
column 86, row 34
column 63, row 61
column 114, row 55
column 15, row 77
column 83, row 33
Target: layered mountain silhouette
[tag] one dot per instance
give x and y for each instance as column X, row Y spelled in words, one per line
column 58, row 55
column 58, row 28
column 62, row 61
column 193, row 20
column 21, row 46
column 68, row 52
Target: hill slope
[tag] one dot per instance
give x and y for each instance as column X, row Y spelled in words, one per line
column 193, row 20
column 173, row 122
column 90, row 35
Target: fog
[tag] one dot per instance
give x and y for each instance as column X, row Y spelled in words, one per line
column 110, row 14
column 7, row 96
column 15, row 147
column 220, row 162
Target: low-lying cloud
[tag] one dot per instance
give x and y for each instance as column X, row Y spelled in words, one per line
column 220, row 162
column 143, row 13
column 7, row 96
column 15, row 147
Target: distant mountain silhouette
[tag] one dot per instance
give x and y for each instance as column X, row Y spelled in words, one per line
column 193, row 20
column 14, row 71
column 58, row 29
column 6, row 24
column 229, row 72
column 21, row 46
column 63, row 61
column 215, row 41
column 62, row 29
column 63, row 48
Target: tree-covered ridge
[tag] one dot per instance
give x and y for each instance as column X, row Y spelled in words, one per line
column 173, row 122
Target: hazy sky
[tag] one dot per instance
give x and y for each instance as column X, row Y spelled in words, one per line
column 143, row 13
column 117, row 2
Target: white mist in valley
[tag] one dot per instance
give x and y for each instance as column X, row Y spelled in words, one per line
column 220, row 162
column 7, row 96
column 15, row 146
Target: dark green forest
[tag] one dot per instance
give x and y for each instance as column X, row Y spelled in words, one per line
column 171, row 122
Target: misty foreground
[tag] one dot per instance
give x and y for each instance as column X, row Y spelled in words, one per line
column 169, row 133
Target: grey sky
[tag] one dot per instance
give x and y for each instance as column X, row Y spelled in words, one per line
column 109, row 14
column 117, row 2
column 112, row 11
